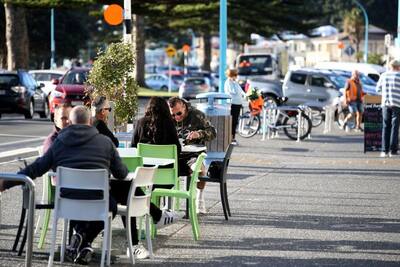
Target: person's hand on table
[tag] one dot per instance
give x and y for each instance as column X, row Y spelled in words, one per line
column 130, row 176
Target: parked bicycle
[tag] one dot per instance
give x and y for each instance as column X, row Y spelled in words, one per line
column 278, row 118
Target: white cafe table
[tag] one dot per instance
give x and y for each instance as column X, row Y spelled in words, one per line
column 132, row 152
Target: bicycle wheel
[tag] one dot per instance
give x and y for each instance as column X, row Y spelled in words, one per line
column 317, row 117
column 248, row 125
column 341, row 115
column 292, row 123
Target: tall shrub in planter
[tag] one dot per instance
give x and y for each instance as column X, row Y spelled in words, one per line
column 112, row 76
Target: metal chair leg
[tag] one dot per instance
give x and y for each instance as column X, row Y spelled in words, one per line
column 20, row 226
column 226, row 200
column 223, row 199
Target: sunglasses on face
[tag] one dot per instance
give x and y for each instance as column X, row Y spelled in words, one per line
column 179, row 113
column 109, row 109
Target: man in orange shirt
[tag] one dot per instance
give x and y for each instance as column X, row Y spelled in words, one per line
column 354, row 96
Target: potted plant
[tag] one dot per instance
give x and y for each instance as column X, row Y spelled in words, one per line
column 112, row 77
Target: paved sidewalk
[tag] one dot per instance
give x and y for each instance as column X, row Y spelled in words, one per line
column 321, row 202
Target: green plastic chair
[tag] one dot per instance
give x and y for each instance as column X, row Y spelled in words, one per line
column 185, row 194
column 164, row 176
column 132, row 162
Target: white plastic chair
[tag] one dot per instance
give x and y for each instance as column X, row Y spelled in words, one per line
column 70, row 208
column 138, row 206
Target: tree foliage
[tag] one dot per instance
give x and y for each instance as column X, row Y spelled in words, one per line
column 353, row 26
column 111, row 76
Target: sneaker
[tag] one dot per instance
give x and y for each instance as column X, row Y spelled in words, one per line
column 139, row 252
column 84, row 256
column 234, row 142
column 202, row 207
column 71, row 251
column 168, row 217
column 342, row 125
column 383, row 155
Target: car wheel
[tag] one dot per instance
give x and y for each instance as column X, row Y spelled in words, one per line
column 29, row 112
column 45, row 113
column 164, row 88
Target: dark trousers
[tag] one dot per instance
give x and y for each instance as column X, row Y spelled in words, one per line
column 390, row 129
column 91, row 229
column 235, row 112
column 120, row 191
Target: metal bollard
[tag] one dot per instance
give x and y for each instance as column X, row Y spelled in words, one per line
column 31, row 211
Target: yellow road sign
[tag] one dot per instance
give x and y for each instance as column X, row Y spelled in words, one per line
column 171, row 51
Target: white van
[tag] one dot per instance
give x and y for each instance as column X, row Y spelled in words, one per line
column 371, row 70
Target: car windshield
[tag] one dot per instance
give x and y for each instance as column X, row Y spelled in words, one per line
column 74, row 77
column 195, row 82
column 364, row 78
column 255, row 65
column 338, row 80
column 9, row 79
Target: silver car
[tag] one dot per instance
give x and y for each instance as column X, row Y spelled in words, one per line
column 312, row 87
column 193, row 86
column 161, row 81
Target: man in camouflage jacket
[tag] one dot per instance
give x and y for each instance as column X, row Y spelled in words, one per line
column 192, row 126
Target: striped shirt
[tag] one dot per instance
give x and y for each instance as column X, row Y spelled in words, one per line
column 389, row 86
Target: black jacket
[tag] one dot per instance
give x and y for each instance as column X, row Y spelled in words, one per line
column 103, row 129
column 82, row 147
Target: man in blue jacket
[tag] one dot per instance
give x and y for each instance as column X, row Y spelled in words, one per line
column 79, row 146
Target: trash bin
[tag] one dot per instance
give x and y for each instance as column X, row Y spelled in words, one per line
column 217, row 108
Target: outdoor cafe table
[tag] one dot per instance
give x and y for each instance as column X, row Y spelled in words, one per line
column 132, row 151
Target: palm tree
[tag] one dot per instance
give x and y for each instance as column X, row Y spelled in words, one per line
column 353, row 26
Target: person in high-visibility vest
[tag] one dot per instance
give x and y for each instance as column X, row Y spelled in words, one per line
column 353, row 99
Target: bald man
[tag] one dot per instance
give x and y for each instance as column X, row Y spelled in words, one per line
column 79, row 146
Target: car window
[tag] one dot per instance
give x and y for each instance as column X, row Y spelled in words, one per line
column 41, row 76
column 54, row 76
column 317, row 80
column 26, row 80
column 195, row 82
column 9, row 80
column 299, row 78
column 74, row 77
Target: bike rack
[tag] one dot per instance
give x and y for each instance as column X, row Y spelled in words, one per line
column 31, row 211
column 299, row 109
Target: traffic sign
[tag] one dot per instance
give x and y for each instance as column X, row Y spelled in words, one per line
column 349, row 50
column 113, row 14
column 186, row 48
column 171, row 51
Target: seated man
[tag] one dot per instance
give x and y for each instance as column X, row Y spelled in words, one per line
column 192, row 126
column 61, row 120
column 79, row 146
column 102, row 109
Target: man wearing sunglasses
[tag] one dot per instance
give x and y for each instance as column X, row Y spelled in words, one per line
column 102, row 109
column 192, row 126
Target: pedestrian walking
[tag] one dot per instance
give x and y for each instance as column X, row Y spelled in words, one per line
column 389, row 86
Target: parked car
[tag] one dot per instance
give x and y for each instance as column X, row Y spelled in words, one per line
column 371, row 70
column 312, row 87
column 47, row 77
column 268, row 88
column 161, row 81
column 20, row 93
column 192, row 86
column 71, row 88
column 369, row 85
column 206, row 74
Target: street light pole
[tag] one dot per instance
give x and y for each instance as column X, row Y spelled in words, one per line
column 52, row 41
column 223, row 36
column 366, row 30
column 127, row 21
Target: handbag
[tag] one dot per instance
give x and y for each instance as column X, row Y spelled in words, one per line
column 215, row 169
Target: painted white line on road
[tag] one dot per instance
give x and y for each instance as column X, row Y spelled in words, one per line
column 16, row 160
column 23, row 141
column 19, row 151
column 18, row 135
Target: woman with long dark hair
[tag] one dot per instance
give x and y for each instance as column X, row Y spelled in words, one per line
column 156, row 127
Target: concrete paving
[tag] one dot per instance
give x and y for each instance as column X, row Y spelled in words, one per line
column 320, row 202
